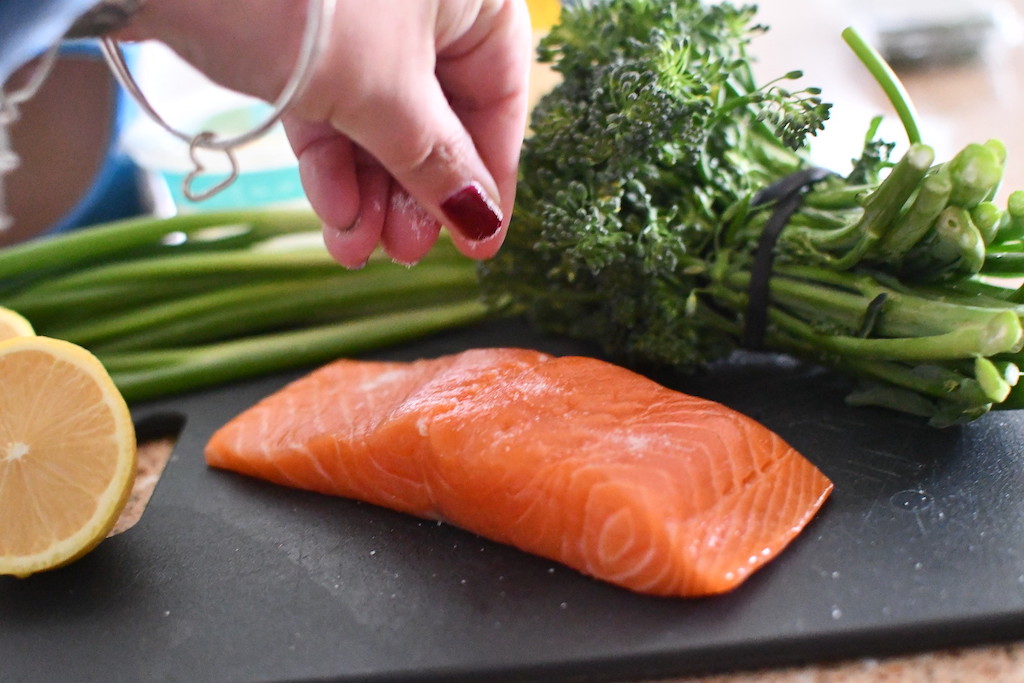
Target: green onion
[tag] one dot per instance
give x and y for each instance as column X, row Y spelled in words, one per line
column 146, row 375
column 178, row 304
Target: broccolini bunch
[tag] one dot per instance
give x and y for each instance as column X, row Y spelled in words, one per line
column 651, row 185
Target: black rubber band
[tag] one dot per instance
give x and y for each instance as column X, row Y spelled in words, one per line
column 787, row 194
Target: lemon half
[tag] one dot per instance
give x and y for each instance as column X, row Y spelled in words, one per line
column 67, row 453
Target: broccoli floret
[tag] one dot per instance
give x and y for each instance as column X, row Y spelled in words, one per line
column 655, row 130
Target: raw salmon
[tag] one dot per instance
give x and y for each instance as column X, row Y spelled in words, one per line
column 570, row 458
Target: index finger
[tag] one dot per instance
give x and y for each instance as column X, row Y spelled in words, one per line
column 485, row 76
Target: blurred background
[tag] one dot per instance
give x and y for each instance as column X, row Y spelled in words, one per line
column 962, row 62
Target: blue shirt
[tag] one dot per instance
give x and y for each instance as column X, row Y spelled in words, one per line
column 27, row 29
column 30, row 27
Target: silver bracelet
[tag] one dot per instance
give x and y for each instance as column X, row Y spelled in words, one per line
column 314, row 41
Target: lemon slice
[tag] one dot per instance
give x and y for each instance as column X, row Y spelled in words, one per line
column 12, row 324
column 67, row 453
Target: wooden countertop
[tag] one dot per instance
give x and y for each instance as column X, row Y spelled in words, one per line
column 994, row 664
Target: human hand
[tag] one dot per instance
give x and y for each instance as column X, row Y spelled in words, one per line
column 414, row 117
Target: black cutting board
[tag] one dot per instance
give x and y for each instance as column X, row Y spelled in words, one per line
column 230, row 579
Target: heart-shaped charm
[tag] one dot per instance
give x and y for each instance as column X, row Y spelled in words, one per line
column 203, row 140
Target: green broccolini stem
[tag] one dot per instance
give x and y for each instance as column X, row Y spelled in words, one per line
column 991, row 380
column 1012, row 226
column 975, row 171
column 888, row 80
column 987, row 217
column 917, row 220
column 836, row 198
column 1010, row 264
column 929, row 380
column 843, row 298
column 945, row 397
column 859, row 233
column 966, row 292
column 1002, row 334
column 883, row 205
column 957, row 236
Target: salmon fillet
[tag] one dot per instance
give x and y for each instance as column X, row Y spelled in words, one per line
column 570, row 458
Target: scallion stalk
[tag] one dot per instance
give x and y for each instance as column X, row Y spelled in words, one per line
column 144, row 375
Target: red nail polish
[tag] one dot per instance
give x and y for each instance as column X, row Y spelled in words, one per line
column 472, row 213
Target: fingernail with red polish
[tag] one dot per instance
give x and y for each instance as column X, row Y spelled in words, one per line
column 472, row 213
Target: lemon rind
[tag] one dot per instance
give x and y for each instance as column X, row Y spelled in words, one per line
column 114, row 498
